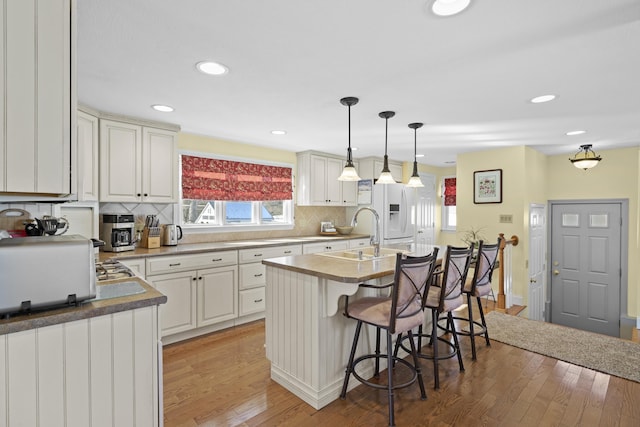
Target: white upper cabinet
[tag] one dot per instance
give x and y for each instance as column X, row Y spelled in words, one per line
column 36, row 110
column 85, row 161
column 137, row 163
column 371, row 167
column 318, row 183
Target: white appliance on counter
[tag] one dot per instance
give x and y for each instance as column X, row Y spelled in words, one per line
column 395, row 206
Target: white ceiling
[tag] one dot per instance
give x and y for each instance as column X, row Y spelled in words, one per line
column 469, row 78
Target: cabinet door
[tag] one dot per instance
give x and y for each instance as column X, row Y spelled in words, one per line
column 334, row 187
column 86, row 159
column 159, row 166
column 120, row 162
column 350, row 191
column 179, row 313
column 36, row 92
column 359, row 243
column 318, row 180
column 217, row 295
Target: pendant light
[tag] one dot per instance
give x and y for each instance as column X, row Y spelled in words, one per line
column 385, row 176
column 349, row 172
column 585, row 158
column 415, row 180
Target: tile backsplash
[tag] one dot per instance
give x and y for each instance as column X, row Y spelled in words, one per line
column 307, row 219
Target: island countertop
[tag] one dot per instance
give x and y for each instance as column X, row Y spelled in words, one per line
column 347, row 270
column 86, row 310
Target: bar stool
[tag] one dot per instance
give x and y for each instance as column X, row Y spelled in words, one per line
column 479, row 286
column 443, row 298
column 400, row 312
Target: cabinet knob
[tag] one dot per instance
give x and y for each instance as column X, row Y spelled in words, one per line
column 146, row 195
column 138, row 194
column 200, row 278
column 194, row 278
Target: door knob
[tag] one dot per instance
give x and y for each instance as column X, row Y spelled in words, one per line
column 556, row 272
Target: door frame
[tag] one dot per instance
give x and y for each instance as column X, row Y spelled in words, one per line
column 625, row 320
column 546, row 248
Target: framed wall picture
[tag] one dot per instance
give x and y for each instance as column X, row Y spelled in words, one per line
column 487, row 186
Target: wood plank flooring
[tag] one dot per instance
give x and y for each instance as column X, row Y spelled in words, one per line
column 223, row 379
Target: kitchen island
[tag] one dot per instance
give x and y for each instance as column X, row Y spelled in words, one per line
column 307, row 338
column 96, row 364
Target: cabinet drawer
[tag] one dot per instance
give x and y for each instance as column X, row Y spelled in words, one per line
column 312, row 248
column 359, row 243
column 167, row 264
column 258, row 254
column 252, row 275
column 252, row 301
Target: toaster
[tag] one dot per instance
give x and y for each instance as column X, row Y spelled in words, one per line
column 45, row 271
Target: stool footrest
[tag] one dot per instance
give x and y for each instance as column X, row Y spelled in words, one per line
column 396, row 360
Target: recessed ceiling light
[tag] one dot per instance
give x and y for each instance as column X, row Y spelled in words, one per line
column 576, row 132
column 543, row 98
column 419, row 155
column 212, row 68
column 279, row 132
column 449, row 7
column 163, row 108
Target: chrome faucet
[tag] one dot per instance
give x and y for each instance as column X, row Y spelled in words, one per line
column 375, row 239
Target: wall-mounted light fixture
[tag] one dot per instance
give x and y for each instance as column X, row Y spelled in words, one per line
column 385, row 176
column 415, row 180
column 349, row 172
column 585, row 158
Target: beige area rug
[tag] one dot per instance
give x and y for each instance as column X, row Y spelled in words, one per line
column 594, row 351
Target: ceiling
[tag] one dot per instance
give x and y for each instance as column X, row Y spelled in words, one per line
column 469, row 77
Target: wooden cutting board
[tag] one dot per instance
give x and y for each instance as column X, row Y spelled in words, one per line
column 13, row 219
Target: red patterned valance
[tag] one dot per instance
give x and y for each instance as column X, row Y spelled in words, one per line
column 213, row 179
column 449, row 191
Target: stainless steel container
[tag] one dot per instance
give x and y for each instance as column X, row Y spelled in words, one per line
column 45, row 271
column 171, row 233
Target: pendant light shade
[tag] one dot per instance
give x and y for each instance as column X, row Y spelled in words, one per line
column 415, row 180
column 385, row 176
column 585, row 158
column 349, row 172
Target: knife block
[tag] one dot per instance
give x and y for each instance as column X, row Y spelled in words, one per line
column 149, row 241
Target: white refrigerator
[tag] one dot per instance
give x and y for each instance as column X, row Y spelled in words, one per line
column 395, row 205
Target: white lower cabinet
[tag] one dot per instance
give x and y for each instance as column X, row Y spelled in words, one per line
column 252, row 301
column 217, row 295
column 102, row 371
column 197, row 296
column 137, row 265
column 179, row 313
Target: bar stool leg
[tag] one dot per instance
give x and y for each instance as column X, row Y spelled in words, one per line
column 349, row 368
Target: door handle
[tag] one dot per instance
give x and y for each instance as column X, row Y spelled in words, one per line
column 556, row 272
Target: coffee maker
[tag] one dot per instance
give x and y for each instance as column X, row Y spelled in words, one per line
column 118, row 232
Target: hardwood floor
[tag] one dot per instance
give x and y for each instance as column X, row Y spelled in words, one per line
column 223, row 379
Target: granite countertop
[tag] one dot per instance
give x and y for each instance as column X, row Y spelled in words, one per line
column 86, row 310
column 194, row 248
column 348, row 270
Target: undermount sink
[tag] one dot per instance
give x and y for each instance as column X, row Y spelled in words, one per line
column 361, row 254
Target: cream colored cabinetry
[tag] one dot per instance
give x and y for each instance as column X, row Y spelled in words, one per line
column 312, row 248
column 36, row 57
column 137, row 163
column 201, row 289
column 85, row 160
column 318, row 183
column 252, row 275
column 100, row 371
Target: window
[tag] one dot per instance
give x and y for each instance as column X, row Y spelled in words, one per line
column 449, row 203
column 223, row 194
